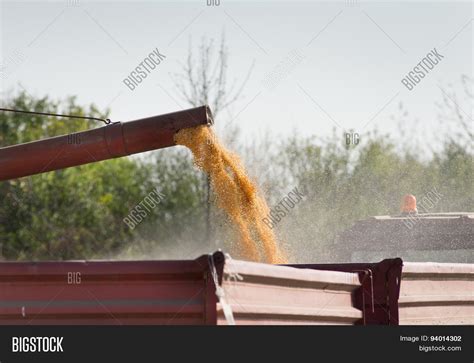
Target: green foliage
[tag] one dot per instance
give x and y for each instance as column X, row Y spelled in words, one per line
column 71, row 213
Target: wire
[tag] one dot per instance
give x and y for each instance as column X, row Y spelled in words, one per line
column 106, row 121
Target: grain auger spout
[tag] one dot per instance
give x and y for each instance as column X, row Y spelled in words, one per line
column 112, row 141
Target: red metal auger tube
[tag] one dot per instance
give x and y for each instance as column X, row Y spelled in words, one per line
column 108, row 142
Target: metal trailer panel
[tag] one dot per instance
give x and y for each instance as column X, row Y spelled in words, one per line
column 262, row 294
column 112, row 293
column 377, row 296
column 183, row 292
column 437, row 294
column 173, row 292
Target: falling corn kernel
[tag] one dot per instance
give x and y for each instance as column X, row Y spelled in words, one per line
column 235, row 193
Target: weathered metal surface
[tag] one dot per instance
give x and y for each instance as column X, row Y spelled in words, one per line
column 378, row 294
column 260, row 294
column 113, row 293
column 183, row 292
column 437, row 293
column 111, row 141
column 173, row 292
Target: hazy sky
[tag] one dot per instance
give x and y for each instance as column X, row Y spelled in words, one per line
column 351, row 58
